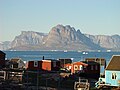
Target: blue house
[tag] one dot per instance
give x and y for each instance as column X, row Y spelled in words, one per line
column 112, row 71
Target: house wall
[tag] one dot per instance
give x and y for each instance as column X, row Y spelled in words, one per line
column 91, row 69
column 64, row 61
column 13, row 66
column 55, row 65
column 75, row 67
column 2, row 63
column 2, row 56
column 46, row 65
column 21, row 64
column 30, row 65
column 2, row 60
column 108, row 77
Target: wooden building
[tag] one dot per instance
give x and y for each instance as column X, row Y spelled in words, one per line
column 2, row 55
column 64, row 61
column 76, row 67
column 85, row 68
column 15, row 63
column 34, row 65
column 2, row 59
column 101, row 61
column 45, row 65
column 98, row 60
column 112, row 71
column 92, row 70
column 51, row 65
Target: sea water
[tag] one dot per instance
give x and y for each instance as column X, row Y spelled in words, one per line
column 76, row 56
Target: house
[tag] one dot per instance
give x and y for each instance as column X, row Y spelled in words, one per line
column 14, row 69
column 45, row 65
column 34, row 65
column 2, row 64
column 112, row 71
column 2, row 59
column 92, row 70
column 85, row 68
column 64, row 61
column 101, row 61
column 16, row 63
column 2, row 55
column 76, row 67
column 51, row 65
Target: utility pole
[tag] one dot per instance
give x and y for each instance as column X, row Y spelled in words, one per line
column 46, row 83
column 37, row 78
column 27, row 79
column 64, row 63
column 72, row 68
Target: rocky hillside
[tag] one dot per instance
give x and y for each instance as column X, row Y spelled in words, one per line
column 5, row 45
column 63, row 38
column 67, row 38
column 27, row 38
column 108, row 42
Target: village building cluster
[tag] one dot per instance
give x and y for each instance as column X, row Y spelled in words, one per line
column 17, row 70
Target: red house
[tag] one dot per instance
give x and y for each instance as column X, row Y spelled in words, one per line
column 47, row 65
column 34, row 65
column 50, row 65
column 76, row 67
column 85, row 68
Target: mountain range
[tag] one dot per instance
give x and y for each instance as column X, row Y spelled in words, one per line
column 62, row 38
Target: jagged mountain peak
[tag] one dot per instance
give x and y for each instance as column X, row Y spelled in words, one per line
column 68, row 36
column 28, row 38
column 31, row 32
column 65, row 29
column 63, row 32
column 61, row 27
column 63, row 37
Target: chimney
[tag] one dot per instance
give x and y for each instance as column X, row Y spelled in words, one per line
column 43, row 58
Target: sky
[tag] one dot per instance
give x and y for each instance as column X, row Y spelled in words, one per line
column 96, row 17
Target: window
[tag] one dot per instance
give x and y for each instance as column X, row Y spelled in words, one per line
column 70, row 67
column 114, row 76
column 91, row 67
column 96, row 67
column 54, row 63
column 35, row 63
column 81, row 67
column 75, row 67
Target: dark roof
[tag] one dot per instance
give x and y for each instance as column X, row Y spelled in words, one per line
column 114, row 63
column 50, row 60
column 102, row 61
column 1, row 52
column 80, row 63
column 90, row 62
column 15, row 60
